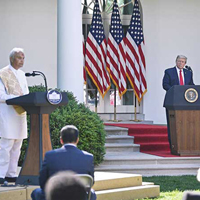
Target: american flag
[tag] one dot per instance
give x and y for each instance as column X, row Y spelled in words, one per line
column 95, row 59
column 136, row 68
column 116, row 55
column 84, row 72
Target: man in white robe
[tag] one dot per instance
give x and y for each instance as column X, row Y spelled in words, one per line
column 13, row 122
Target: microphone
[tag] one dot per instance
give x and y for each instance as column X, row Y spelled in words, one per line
column 188, row 68
column 31, row 74
column 37, row 73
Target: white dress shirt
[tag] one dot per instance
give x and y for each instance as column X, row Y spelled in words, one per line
column 178, row 72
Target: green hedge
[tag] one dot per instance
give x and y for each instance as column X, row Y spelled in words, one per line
column 91, row 128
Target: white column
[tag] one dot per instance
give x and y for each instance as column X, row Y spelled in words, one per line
column 70, row 56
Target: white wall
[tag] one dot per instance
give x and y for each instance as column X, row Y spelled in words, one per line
column 31, row 25
column 171, row 27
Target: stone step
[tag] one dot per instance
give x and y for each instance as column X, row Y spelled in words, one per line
column 120, row 139
column 122, row 147
column 109, row 161
column 123, row 117
column 143, row 162
column 129, row 193
column 120, row 158
column 121, row 186
column 112, row 130
column 179, row 160
column 133, row 158
column 152, row 170
column 107, row 185
column 129, row 122
column 106, row 180
column 16, row 193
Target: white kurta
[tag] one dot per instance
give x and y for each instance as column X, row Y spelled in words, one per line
column 12, row 125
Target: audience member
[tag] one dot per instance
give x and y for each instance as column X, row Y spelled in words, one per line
column 187, row 195
column 69, row 157
column 65, row 185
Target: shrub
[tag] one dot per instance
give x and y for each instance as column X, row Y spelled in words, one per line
column 91, row 128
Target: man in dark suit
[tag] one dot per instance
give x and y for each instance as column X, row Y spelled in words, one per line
column 69, row 157
column 177, row 75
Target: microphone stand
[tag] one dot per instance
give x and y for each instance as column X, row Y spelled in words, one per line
column 45, row 80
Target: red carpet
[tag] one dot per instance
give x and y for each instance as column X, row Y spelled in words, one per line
column 153, row 139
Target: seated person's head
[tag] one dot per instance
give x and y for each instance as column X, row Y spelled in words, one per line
column 69, row 134
column 65, row 186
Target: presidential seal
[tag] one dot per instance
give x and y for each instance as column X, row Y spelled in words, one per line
column 54, row 97
column 191, row 95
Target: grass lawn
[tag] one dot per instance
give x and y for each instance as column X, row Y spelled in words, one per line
column 172, row 187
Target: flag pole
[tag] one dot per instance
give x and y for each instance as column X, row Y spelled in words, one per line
column 115, row 102
column 135, row 113
column 96, row 100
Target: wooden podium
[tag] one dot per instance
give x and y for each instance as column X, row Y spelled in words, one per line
column 183, row 109
column 39, row 143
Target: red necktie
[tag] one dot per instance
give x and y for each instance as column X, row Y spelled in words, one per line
column 181, row 78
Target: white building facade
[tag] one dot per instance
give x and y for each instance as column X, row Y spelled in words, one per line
column 50, row 31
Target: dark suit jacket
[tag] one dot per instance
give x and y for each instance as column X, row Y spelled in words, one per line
column 188, row 195
column 66, row 158
column 171, row 78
